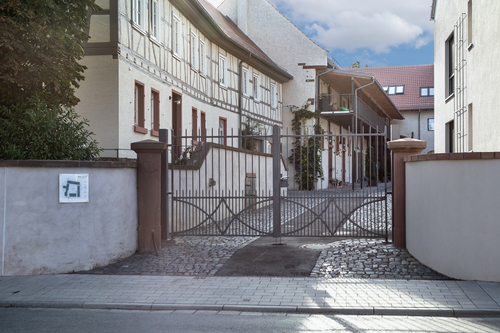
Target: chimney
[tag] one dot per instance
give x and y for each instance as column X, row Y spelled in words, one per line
column 242, row 15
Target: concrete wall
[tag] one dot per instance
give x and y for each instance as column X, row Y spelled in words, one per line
column 452, row 217
column 481, row 72
column 39, row 235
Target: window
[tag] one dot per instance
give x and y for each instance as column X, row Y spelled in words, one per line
column 139, row 108
column 203, row 56
column 222, row 130
column 244, row 81
column 222, row 70
column 138, row 11
column 194, row 123
column 194, row 53
column 430, row 124
column 450, row 68
column 274, row 99
column 155, row 19
column 427, row 92
column 176, row 35
column 394, row 90
column 256, row 87
column 155, row 112
column 203, row 126
column 450, row 137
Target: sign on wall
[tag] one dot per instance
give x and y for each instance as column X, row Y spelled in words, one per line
column 73, row 188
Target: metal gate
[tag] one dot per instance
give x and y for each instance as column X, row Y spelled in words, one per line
column 274, row 184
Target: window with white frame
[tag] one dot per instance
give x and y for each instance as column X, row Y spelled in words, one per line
column 394, row 90
column 203, row 57
column 244, row 81
column 194, row 53
column 256, row 87
column 274, row 96
column 176, row 35
column 426, row 91
column 222, row 70
column 155, row 19
column 138, row 12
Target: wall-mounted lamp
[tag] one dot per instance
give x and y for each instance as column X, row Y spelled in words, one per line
column 178, row 102
column 169, row 98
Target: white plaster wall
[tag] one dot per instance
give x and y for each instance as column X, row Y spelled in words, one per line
column 43, row 236
column 410, row 124
column 482, row 71
column 452, row 218
column 98, row 95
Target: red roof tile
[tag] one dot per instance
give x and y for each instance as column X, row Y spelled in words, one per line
column 412, row 77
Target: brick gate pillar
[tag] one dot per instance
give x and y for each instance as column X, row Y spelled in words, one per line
column 149, row 193
column 401, row 148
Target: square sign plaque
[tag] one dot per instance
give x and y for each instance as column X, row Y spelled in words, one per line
column 73, row 188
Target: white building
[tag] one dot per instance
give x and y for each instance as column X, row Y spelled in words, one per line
column 172, row 64
column 466, row 75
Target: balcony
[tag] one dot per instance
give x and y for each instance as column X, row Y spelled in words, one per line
column 341, row 109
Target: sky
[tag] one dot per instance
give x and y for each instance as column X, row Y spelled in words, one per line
column 377, row 33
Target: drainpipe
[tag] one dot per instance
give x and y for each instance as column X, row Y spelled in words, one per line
column 419, row 124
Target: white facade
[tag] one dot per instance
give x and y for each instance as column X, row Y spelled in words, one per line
column 466, row 114
column 159, row 52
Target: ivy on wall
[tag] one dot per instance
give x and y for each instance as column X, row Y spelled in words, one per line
column 306, row 152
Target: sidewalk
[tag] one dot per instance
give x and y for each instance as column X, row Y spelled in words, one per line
column 262, row 294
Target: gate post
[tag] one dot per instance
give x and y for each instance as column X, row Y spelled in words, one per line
column 164, row 187
column 276, row 182
column 149, row 193
column 401, row 148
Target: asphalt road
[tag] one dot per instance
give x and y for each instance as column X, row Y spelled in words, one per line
column 80, row 320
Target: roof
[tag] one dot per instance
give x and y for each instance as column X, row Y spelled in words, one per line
column 222, row 31
column 341, row 81
column 412, row 77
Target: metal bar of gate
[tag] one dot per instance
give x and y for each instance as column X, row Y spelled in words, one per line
column 165, row 234
column 276, row 182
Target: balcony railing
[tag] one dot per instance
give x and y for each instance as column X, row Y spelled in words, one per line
column 345, row 104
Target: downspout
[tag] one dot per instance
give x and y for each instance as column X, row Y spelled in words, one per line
column 240, row 91
column 419, row 124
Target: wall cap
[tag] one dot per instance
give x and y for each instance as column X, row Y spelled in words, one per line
column 148, row 146
column 453, row 156
column 109, row 163
column 407, row 145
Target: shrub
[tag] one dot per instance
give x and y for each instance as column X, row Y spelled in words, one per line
column 33, row 130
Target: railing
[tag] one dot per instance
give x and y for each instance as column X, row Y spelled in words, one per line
column 346, row 104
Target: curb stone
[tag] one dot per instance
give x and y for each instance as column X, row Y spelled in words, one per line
column 437, row 312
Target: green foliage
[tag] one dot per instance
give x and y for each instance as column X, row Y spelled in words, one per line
column 306, row 154
column 252, row 128
column 188, row 155
column 35, row 130
column 356, row 64
column 40, row 45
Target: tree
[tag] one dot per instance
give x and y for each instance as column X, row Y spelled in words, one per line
column 40, row 45
column 356, row 64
